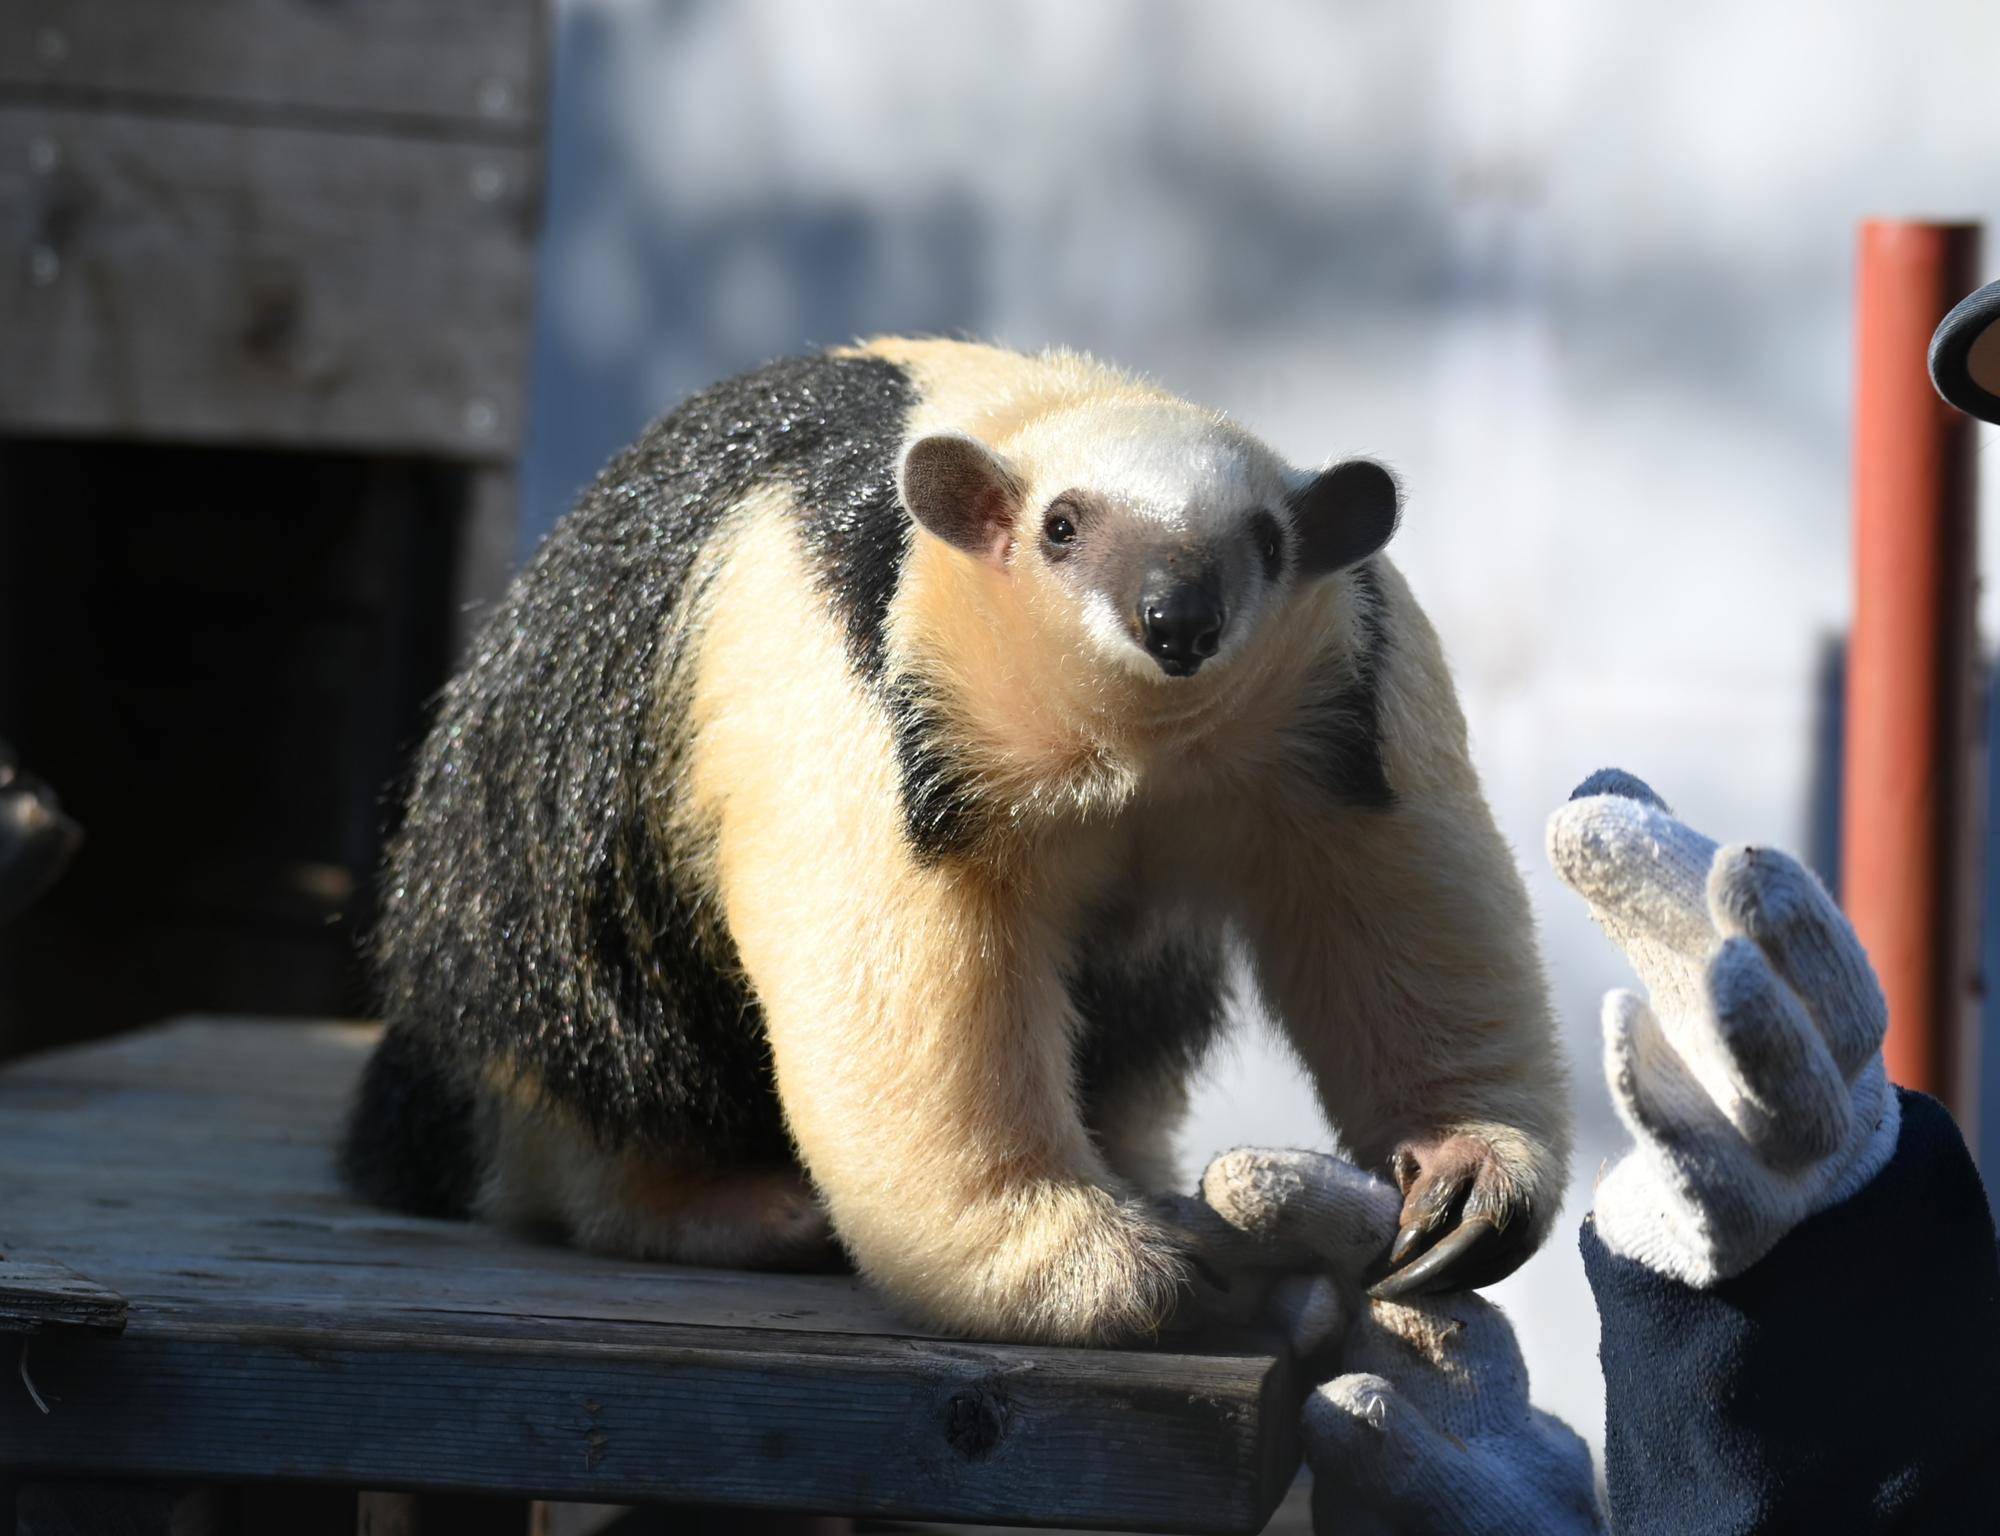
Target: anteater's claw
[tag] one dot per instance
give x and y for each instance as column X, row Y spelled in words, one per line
column 1473, row 1253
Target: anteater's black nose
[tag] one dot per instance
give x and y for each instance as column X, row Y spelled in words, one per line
column 1182, row 625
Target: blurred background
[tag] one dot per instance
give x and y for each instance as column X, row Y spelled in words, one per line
column 1582, row 274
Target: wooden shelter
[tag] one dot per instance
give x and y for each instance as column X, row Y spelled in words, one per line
column 266, row 270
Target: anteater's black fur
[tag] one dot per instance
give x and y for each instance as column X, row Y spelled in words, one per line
column 1147, row 1020
column 1344, row 735
column 411, row 1141
column 530, row 912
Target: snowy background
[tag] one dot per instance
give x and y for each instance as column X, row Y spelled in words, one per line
column 1580, row 272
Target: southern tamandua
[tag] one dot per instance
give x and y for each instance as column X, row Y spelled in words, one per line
column 839, row 833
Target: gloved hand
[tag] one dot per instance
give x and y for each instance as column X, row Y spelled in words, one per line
column 1751, row 1078
column 1428, row 1428
column 1289, row 1235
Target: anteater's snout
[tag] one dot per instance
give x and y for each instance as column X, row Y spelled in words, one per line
column 1180, row 624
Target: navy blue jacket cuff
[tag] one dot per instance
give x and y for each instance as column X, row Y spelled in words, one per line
column 1849, row 1381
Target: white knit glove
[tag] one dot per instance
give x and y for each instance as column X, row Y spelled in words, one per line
column 1751, row 1078
column 1290, row 1234
column 1428, row 1428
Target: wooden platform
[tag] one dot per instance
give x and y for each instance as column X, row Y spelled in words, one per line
column 276, row 1329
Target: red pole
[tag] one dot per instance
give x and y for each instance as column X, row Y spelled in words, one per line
column 1908, row 857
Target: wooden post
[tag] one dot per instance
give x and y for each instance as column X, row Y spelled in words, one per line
column 385, row 1514
column 1908, row 860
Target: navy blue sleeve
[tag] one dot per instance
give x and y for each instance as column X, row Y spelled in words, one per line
column 1848, row 1381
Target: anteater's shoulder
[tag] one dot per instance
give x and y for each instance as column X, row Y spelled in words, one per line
column 830, row 423
column 991, row 392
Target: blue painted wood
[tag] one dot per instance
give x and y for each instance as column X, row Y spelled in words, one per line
column 276, row 1329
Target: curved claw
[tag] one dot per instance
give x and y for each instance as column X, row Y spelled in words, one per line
column 1474, row 1253
column 1437, row 1180
column 1408, row 1241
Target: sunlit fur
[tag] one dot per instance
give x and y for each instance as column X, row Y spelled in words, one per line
column 917, row 1014
column 543, row 1168
column 915, row 1002
column 1062, row 422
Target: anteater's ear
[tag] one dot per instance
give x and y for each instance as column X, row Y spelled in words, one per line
column 961, row 491
column 1343, row 514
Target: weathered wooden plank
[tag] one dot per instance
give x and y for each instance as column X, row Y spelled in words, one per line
column 386, row 1514
column 1292, row 1517
column 452, row 65
column 438, row 1514
column 913, row 1428
column 564, row 1517
column 195, row 1162
column 195, row 281
column 36, row 1294
column 280, row 1329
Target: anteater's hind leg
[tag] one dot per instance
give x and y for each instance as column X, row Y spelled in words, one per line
column 545, row 1172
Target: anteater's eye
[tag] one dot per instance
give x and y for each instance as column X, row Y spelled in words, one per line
column 1058, row 528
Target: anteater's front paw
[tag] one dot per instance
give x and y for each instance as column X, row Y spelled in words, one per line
column 1135, row 1279
column 1467, row 1218
column 1133, row 1275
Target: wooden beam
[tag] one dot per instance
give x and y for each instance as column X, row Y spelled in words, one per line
column 36, row 1294
column 630, row 1414
column 198, row 281
column 386, row 1514
column 455, row 66
column 280, row 1329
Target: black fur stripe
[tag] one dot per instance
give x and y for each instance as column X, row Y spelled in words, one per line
column 1147, row 1017
column 1340, row 735
column 942, row 812
column 833, row 428
column 841, row 423
column 533, row 914
column 409, row 1141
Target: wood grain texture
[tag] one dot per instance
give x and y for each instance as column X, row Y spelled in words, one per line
column 463, row 66
column 35, row 1295
column 279, row 1329
column 1292, row 1517
column 386, row 1514
column 212, row 282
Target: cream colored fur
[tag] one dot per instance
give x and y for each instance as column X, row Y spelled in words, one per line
column 543, row 1169
column 916, row 1012
column 1398, row 949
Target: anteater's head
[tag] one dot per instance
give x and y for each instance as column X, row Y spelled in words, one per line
column 1160, row 536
